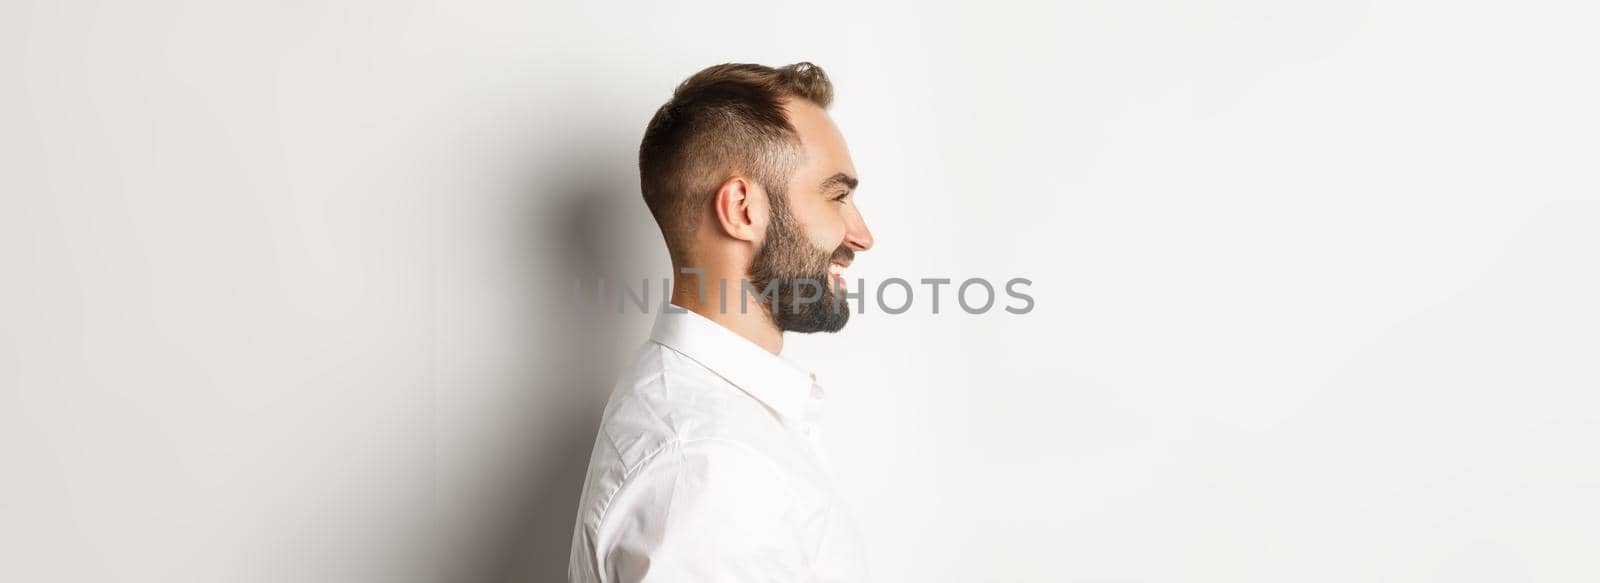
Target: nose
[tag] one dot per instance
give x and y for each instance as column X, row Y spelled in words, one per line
column 856, row 234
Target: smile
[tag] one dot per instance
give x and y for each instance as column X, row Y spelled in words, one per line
column 836, row 269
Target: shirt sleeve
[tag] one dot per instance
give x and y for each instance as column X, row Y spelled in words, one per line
column 710, row 511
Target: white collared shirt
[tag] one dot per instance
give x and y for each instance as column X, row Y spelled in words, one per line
column 708, row 467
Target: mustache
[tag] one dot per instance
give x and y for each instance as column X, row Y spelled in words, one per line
column 844, row 254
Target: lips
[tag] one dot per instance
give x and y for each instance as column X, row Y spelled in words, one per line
column 842, row 258
column 836, row 269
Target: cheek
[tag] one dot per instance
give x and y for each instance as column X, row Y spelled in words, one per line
column 824, row 225
column 828, row 233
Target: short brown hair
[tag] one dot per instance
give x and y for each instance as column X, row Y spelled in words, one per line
column 725, row 120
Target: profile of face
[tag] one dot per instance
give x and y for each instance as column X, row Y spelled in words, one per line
column 814, row 230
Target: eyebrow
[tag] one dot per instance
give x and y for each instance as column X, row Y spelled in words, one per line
column 841, row 178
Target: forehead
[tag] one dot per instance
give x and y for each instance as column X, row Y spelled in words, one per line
column 823, row 143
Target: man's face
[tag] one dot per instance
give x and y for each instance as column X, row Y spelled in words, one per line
column 814, row 230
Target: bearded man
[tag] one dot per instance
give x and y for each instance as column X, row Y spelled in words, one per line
column 708, row 466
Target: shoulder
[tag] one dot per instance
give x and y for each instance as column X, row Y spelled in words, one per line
column 666, row 399
column 702, row 506
column 668, row 414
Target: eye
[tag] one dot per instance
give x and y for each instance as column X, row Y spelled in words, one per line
column 841, row 197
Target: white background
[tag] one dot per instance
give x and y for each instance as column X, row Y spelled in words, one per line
column 286, row 284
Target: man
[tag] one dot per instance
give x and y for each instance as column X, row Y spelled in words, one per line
column 708, row 466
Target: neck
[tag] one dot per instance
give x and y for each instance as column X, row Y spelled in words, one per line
column 720, row 304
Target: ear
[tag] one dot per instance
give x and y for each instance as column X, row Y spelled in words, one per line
column 741, row 209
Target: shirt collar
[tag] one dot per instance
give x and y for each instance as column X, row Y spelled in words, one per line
column 771, row 379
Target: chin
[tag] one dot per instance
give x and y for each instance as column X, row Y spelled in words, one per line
column 824, row 316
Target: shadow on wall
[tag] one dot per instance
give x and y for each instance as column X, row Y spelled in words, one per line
column 580, row 219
